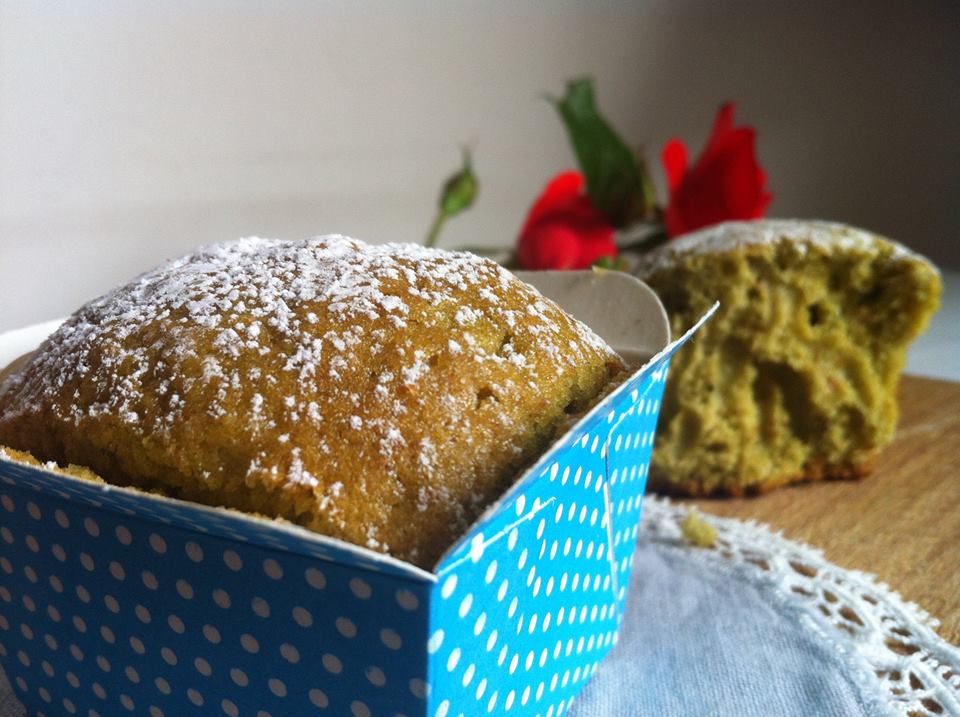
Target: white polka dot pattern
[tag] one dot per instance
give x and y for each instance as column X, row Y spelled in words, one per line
column 121, row 615
column 112, row 603
column 529, row 602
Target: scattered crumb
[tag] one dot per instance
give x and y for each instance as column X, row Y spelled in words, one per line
column 698, row 531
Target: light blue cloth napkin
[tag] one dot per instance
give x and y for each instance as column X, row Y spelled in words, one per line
column 701, row 642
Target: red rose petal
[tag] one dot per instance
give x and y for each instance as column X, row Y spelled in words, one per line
column 559, row 192
column 591, row 251
column 674, row 159
column 549, row 246
column 725, row 182
column 563, row 230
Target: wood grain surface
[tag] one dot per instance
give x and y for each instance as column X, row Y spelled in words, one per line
column 901, row 523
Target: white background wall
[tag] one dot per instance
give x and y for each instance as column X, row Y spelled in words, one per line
column 133, row 131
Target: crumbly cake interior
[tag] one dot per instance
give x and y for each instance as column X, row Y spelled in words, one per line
column 379, row 394
column 795, row 376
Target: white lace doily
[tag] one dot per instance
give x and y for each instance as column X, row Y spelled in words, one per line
column 878, row 631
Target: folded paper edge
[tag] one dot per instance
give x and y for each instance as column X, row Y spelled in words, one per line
column 444, row 565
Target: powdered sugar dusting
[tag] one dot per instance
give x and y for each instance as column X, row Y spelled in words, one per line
column 299, row 344
column 731, row 235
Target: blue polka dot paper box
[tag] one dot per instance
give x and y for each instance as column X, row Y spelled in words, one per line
column 115, row 602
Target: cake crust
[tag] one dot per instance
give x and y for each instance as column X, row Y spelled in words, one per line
column 379, row 394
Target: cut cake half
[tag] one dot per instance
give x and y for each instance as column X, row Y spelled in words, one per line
column 795, row 377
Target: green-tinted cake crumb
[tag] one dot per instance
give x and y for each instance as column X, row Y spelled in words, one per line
column 698, row 531
column 795, row 377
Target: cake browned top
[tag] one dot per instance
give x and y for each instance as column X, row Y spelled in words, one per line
column 380, row 394
column 815, row 235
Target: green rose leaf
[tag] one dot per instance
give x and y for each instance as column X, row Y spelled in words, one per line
column 617, row 181
column 610, row 263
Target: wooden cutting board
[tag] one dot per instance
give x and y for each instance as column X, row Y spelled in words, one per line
column 902, row 523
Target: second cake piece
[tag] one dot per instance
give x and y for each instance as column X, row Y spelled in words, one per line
column 795, row 377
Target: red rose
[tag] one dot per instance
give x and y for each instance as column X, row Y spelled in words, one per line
column 563, row 230
column 725, row 183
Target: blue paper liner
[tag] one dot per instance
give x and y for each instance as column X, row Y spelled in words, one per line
column 114, row 601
